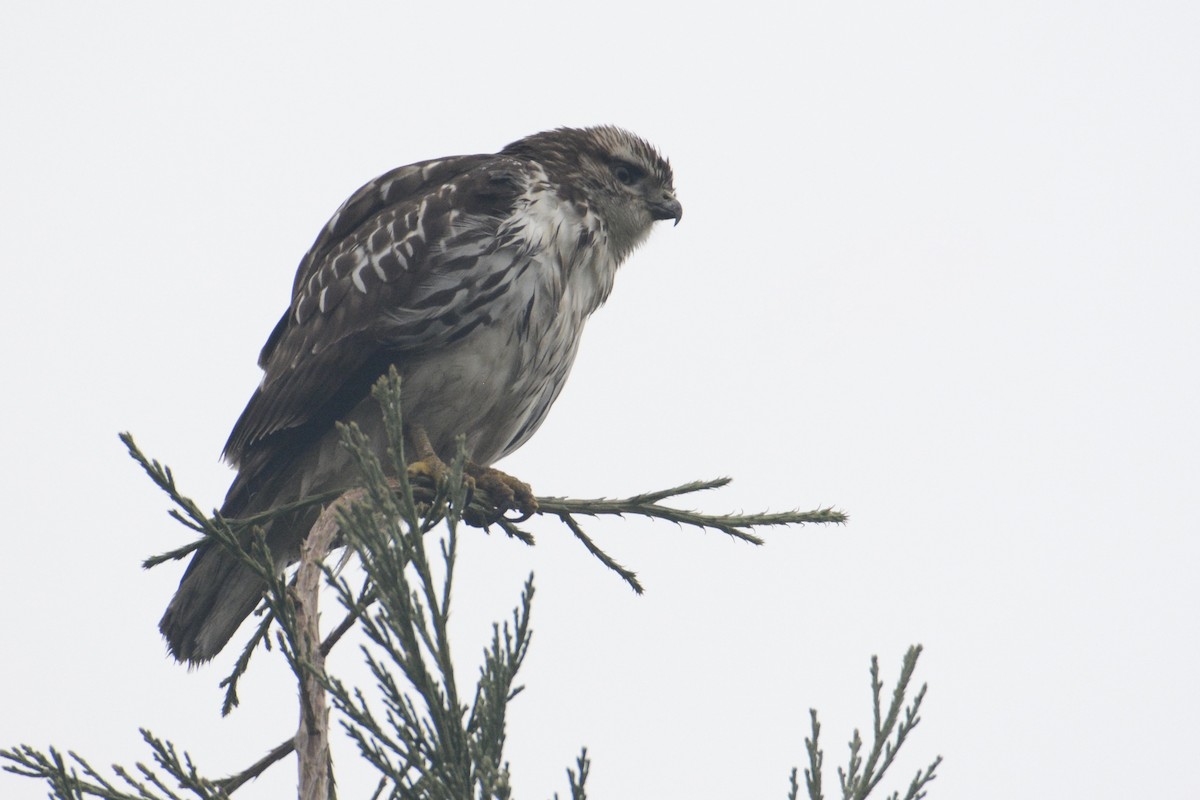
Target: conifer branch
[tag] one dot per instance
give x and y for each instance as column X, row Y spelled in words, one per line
column 277, row 753
column 860, row 777
column 315, row 766
column 424, row 505
column 66, row 783
column 816, row 760
column 576, row 780
column 648, row 505
column 417, row 730
column 604, row 558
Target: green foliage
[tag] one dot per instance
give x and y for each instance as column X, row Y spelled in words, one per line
column 860, row 778
column 427, row 743
column 415, row 728
column 77, row 779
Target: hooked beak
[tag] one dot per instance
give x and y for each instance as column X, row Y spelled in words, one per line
column 666, row 207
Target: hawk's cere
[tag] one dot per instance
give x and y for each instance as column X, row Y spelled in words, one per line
column 473, row 275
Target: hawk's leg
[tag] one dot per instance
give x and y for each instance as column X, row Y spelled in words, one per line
column 428, row 464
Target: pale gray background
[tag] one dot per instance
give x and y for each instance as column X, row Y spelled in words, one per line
column 938, row 267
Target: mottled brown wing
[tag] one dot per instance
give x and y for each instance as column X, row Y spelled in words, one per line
column 407, row 264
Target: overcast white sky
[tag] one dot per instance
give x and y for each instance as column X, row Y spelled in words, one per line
column 938, row 267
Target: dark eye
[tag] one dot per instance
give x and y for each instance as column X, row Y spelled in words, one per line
column 627, row 174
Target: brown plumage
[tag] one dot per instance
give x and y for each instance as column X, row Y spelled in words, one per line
column 473, row 275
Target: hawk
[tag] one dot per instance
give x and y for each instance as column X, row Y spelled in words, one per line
column 472, row 275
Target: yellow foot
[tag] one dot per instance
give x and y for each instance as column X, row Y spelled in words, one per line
column 505, row 491
column 430, row 467
column 435, row 471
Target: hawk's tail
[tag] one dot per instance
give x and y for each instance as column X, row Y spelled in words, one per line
column 216, row 594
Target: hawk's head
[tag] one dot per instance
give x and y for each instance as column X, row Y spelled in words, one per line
column 621, row 176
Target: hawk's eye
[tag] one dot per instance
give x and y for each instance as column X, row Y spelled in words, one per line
column 627, row 174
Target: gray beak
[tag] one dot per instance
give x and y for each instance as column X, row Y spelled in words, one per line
column 666, row 207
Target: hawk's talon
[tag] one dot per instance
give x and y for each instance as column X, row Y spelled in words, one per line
column 525, row 514
column 505, row 491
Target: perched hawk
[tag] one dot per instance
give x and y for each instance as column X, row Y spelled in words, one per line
column 473, row 275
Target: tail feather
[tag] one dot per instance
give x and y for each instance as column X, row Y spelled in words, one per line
column 216, row 594
column 217, row 591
